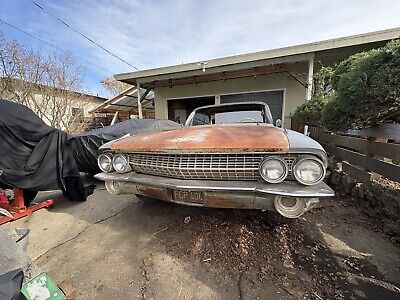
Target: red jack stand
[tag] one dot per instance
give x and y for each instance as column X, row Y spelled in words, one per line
column 17, row 208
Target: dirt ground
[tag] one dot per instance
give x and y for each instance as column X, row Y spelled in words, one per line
column 122, row 247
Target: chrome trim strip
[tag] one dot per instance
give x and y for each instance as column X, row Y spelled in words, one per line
column 287, row 188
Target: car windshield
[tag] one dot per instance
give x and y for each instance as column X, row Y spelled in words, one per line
column 230, row 114
column 231, row 117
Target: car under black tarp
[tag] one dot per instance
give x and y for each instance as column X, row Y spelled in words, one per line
column 35, row 156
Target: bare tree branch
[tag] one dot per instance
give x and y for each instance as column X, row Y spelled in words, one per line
column 48, row 83
column 113, row 86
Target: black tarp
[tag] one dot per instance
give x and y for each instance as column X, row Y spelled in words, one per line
column 34, row 156
column 85, row 146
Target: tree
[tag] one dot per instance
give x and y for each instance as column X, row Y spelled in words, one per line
column 47, row 82
column 113, row 86
column 367, row 89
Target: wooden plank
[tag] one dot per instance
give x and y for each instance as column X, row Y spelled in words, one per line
column 386, row 169
column 114, row 119
column 356, row 172
column 354, row 143
column 325, row 137
column 348, row 155
column 314, row 131
column 350, row 142
column 389, row 150
column 386, row 131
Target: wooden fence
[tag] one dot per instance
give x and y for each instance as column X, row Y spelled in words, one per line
column 364, row 152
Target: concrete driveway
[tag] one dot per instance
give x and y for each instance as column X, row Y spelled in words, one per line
column 122, row 247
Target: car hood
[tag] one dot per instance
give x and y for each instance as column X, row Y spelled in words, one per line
column 211, row 138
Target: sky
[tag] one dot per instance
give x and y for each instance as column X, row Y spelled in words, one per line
column 155, row 33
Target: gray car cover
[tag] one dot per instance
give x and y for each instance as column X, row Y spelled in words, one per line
column 85, row 146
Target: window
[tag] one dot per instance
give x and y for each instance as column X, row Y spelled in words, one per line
column 77, row 112
column 180, row 109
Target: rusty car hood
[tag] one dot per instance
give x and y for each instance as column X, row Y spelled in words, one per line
column 209, row 138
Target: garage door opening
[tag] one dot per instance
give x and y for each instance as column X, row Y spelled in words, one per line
column 274, row 99
column 180, row 109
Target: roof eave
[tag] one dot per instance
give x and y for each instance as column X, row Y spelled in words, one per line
column 267, row 56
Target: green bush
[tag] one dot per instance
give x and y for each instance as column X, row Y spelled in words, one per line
column 323, row 81
column 367, row 89
column 310, row 112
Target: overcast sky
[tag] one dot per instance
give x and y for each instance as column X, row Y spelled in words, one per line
column 155, row 33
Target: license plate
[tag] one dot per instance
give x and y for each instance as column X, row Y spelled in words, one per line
column 188, row 196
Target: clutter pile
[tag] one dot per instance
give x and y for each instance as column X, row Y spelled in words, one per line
column 20, row 277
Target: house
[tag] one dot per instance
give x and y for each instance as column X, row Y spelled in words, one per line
column 60, row 108
column 123, row 107
column 283, row 78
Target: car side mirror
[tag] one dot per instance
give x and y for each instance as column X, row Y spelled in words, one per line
column 278, row 123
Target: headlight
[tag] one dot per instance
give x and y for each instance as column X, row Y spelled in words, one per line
column 105, row 162
column 273, row 169
column 121, row 163
column 308, row 170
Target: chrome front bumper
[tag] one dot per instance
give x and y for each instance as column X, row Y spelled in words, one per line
column 229, row 194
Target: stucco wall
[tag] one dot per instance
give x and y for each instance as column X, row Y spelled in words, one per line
column 294, row 91
column 88, row 104
column 44, row 106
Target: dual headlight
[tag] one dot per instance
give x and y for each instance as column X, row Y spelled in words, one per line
column 119, row 163
column 307, row 169
column 274, row 169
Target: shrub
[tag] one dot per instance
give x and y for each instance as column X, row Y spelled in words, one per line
column 367, row 89
column 310, row 112
column 323, row 81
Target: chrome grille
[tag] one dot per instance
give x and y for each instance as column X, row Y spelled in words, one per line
column 202, row 166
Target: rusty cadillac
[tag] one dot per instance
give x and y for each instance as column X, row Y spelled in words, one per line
column 226, row 156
